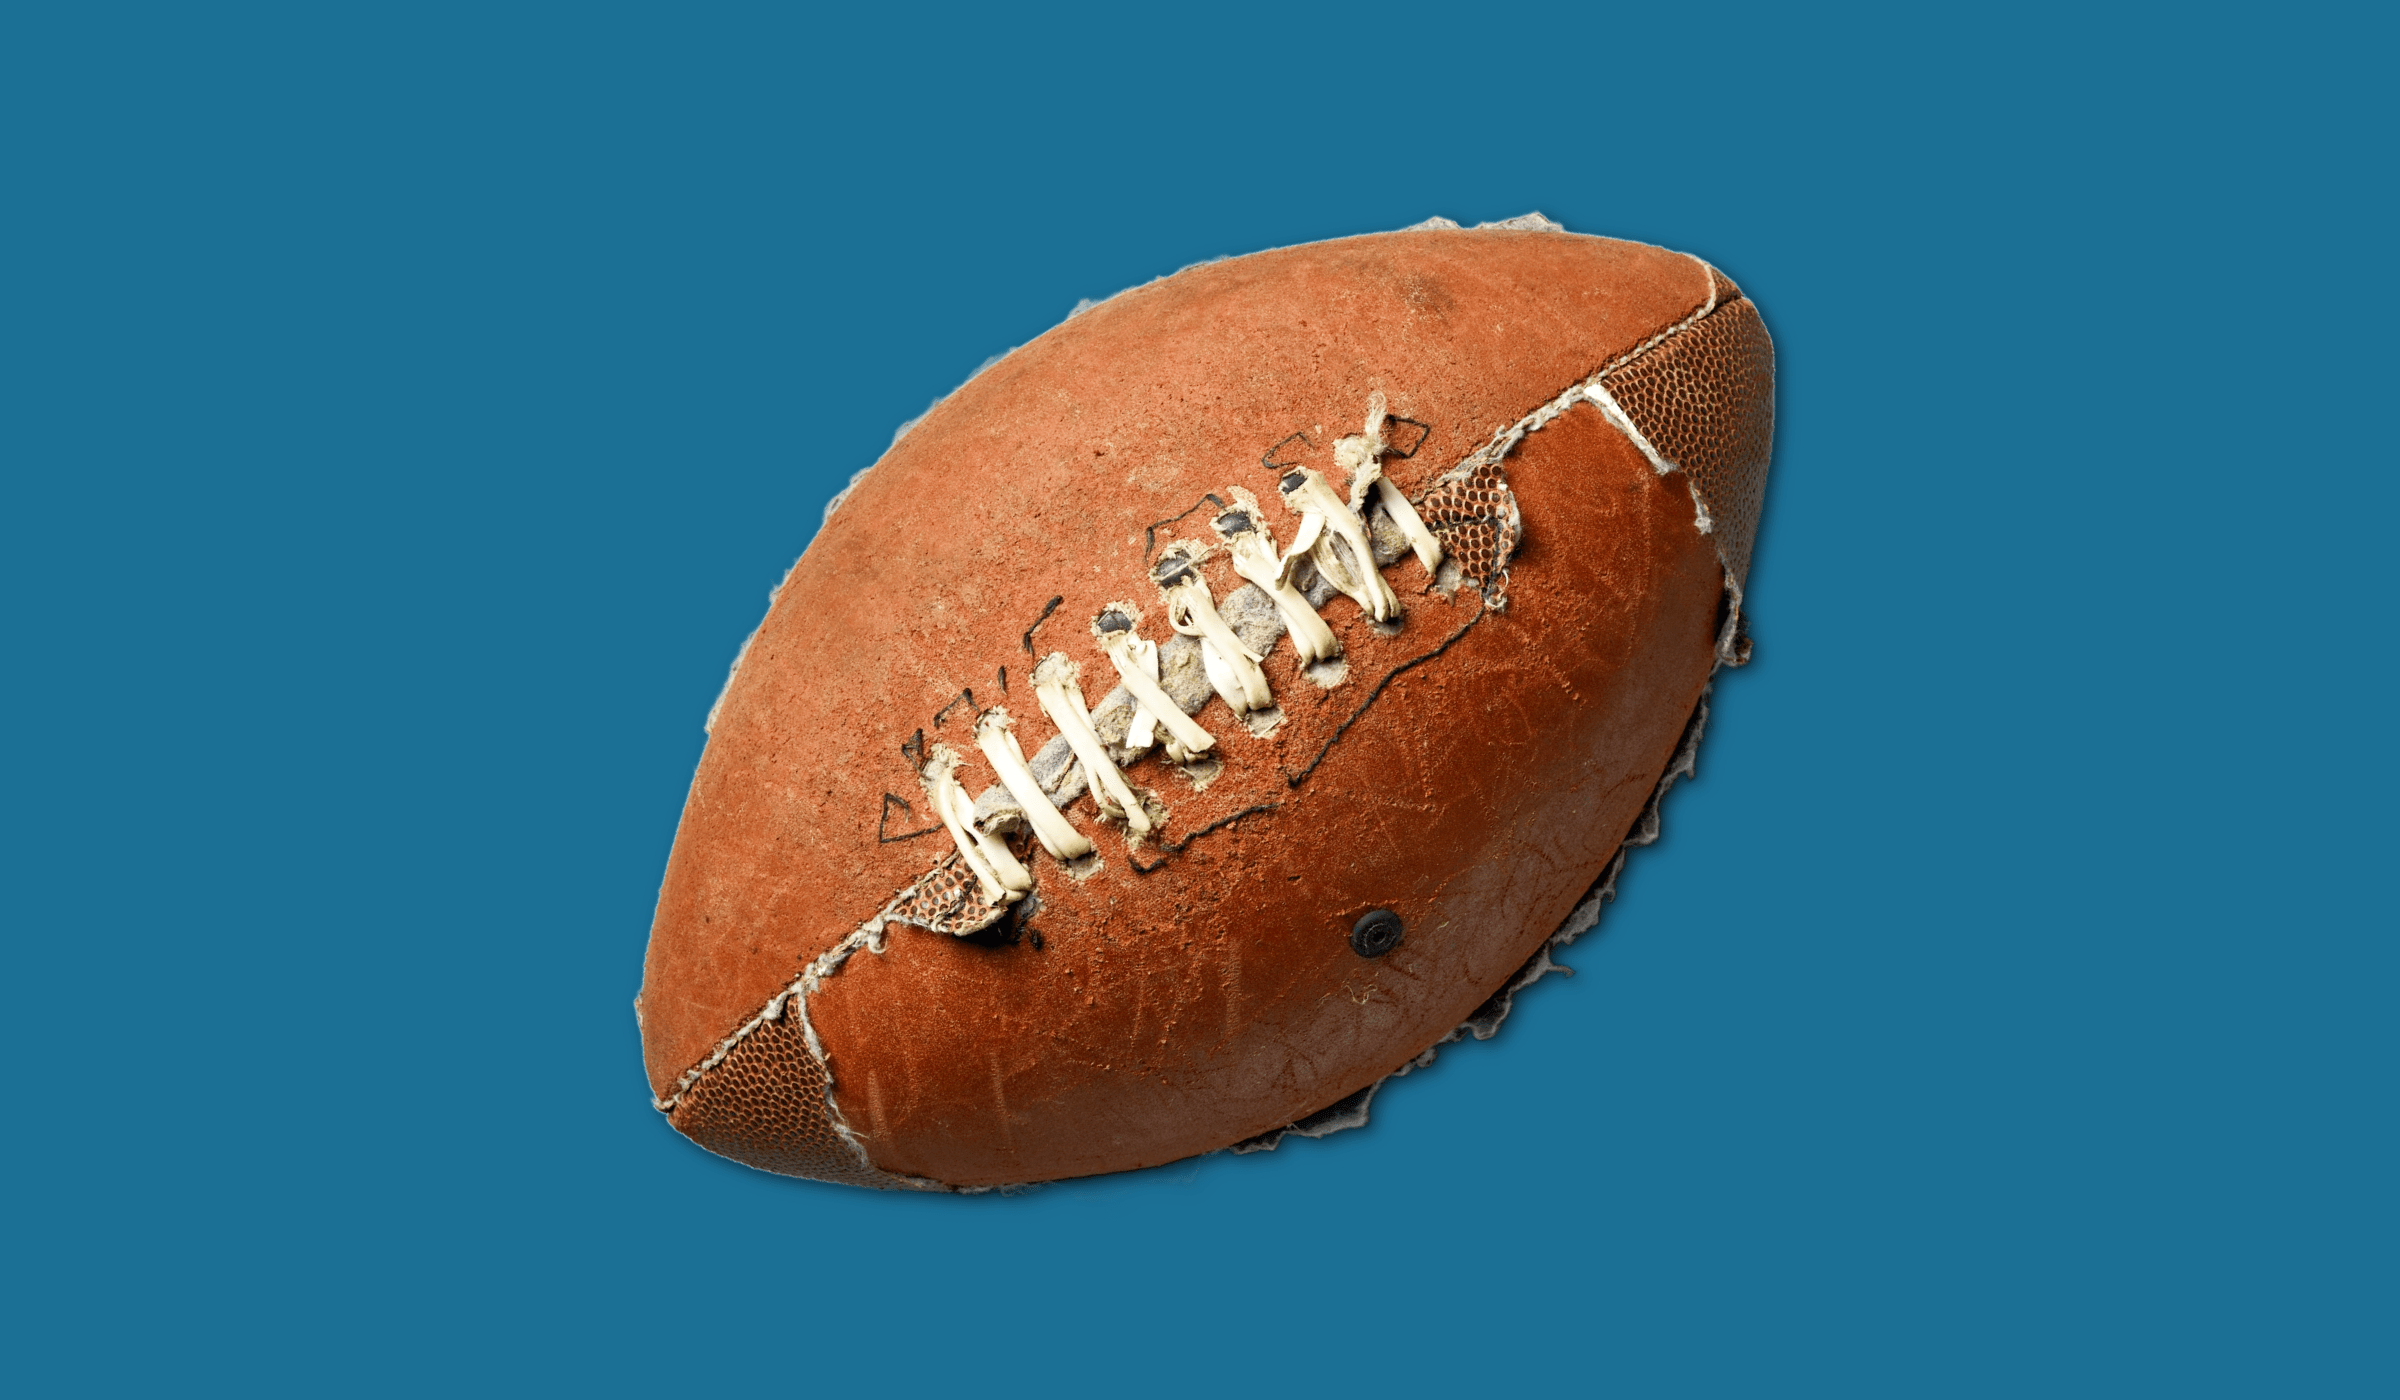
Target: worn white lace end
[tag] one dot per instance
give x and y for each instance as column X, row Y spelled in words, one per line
column 1231, row 665
column 1056, row 686
column 995, row 735
column 1252, row 547
column 996, row 868
column 1324, row 517
column 1114, row 628
column 1223, row 681
column 1143, row 731
column 1360, row 456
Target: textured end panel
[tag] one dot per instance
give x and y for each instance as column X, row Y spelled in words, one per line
column 1706, row 401
column 1476, row 519
column 763, row 1105
column 946, row 900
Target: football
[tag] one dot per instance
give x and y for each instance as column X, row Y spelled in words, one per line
column 1211, row 708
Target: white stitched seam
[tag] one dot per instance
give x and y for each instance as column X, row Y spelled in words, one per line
column 870, row 934
column 1607, row 404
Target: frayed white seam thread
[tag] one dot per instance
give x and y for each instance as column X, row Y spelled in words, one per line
column 868, row 935
column 1607, row 404
column 1231, row 666
column 793, row 1000
column 1058, row 687
column 1504, row 440
column 1003, row 879
column 1325, row 517
column 1594, row 390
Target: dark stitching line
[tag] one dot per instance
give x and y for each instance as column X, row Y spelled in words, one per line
column 1136, row 861
column 1424, row 431
column 1268, row 457
column 884, row 823
column 1150, row 536
column 1377, row 693
column 967, row 694
column 1295, row 780
column 1047, row 609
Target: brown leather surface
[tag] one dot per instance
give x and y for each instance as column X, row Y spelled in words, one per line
column 1706, row 400
column 764, row 1105
column 1176, row 1011
column 1181, row 1011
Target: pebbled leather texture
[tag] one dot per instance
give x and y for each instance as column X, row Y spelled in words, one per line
column 1705, row 398
column 764, row 1105
column 1473, row 774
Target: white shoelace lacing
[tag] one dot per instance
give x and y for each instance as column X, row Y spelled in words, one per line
column 996, row 868
column 1252, row 548
column 1057, row 687
column 995, row 734
column 1231, row 665
column 1325, row 517
column 1116, row 629
column 1361, row 455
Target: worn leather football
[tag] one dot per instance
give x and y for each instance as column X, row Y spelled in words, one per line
column 1085, row 800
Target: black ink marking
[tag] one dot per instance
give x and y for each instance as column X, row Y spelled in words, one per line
column 883, row 834
column 1034, row 936
column 1150, row 536
column 1269, row 458
column 1004, row 680
column 943, row 713
column 1377, row 693
column 1136, row 861
column 913, row 749
column 1047, row 609
column 1424, row 431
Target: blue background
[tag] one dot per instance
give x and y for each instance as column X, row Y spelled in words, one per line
column 404, row 415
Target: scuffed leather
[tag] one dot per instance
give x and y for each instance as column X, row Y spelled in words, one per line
column 1182, row 1010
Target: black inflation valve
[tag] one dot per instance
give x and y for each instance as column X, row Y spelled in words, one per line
column 1376, row 933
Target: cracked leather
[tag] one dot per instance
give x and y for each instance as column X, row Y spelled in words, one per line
column 1217, row 998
